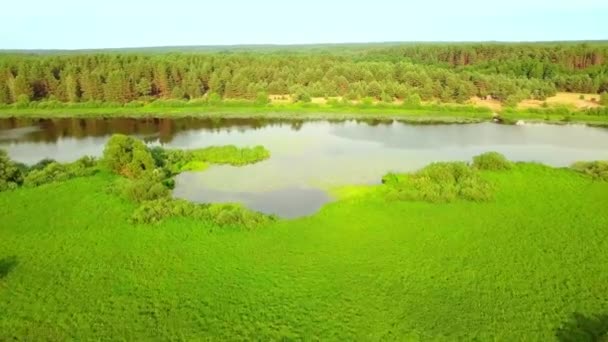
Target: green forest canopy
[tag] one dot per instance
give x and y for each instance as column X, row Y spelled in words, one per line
column 446, row 72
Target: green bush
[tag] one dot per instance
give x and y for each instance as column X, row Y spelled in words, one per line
column 149, row 186
column 53, row 172
column 85, row 166
column 41, row 164
column 150, row 212
column 491, row 161
column 412, row 101
column 439, row 182
column 595, row 169
column 262, row 99
column 56, row 172
column 11, row 176
column 214, row 98
column 127, row 156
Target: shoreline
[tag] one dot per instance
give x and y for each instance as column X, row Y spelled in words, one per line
column 421, row 115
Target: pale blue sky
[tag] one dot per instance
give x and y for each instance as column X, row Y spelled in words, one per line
column 77, row 24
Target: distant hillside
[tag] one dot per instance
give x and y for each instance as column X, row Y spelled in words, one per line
column 326, row 47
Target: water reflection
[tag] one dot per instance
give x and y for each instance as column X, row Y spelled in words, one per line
column 306, row 156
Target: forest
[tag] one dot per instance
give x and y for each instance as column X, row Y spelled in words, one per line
column 450, row 73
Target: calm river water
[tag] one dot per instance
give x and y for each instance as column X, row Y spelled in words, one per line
column 306, row 157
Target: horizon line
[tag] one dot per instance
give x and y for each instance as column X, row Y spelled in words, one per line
column 279, row 45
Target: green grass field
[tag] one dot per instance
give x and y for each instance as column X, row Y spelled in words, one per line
column 515, row 268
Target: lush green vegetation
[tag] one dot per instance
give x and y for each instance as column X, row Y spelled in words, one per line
column 595, row 169
column 491, row 161
column 439, row 182
column 529, row 263
column 146, row 178
column 447, row 72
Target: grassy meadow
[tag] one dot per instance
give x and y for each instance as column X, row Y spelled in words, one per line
column 528, row 264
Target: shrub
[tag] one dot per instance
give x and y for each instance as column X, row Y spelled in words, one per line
column 386, row 98
column 214, row 98
column 367, row 102
column 491, row 161
column 41, row 164
column 439, row 182
column 11, row 176
column 262, row 99
column 85, row 166
column 413, row 101
column 595, row 169
column 53, row 172
column 148, row 187
column 154, row 211
column 302, row 96
column 56, row 172
column 127, row 156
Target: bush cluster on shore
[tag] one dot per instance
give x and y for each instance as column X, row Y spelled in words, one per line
column 13, row 175
column 595, row 169
column 493, row 161
column 439, row 183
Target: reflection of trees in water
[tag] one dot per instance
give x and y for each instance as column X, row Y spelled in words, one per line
column 375, row 122
column 581, row 328
column 164, row 129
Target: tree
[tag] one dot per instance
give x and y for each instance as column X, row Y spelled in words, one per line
column 127, row 156
column 178, row 93
column 262, row 99
column 162, row 83
column 5, row 95
column 117, row 88
column 374, row 89
column 20, row 88
column 10, row 175
column 144, row 87
column 72, row 88
column 301, row 95
column 192, row 86
column 413, row 100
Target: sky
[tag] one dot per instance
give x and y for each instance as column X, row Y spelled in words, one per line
column 82, row 24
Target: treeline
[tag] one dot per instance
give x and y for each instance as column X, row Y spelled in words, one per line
column 443, row 72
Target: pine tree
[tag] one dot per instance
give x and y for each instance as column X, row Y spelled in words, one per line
column 144, row 87
column 20, row 88
column 116, row 87
column 5, row 95
column 192, row 86
column 72, row 89
column 91, row 86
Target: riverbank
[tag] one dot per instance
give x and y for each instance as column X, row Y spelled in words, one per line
column 304, row 111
